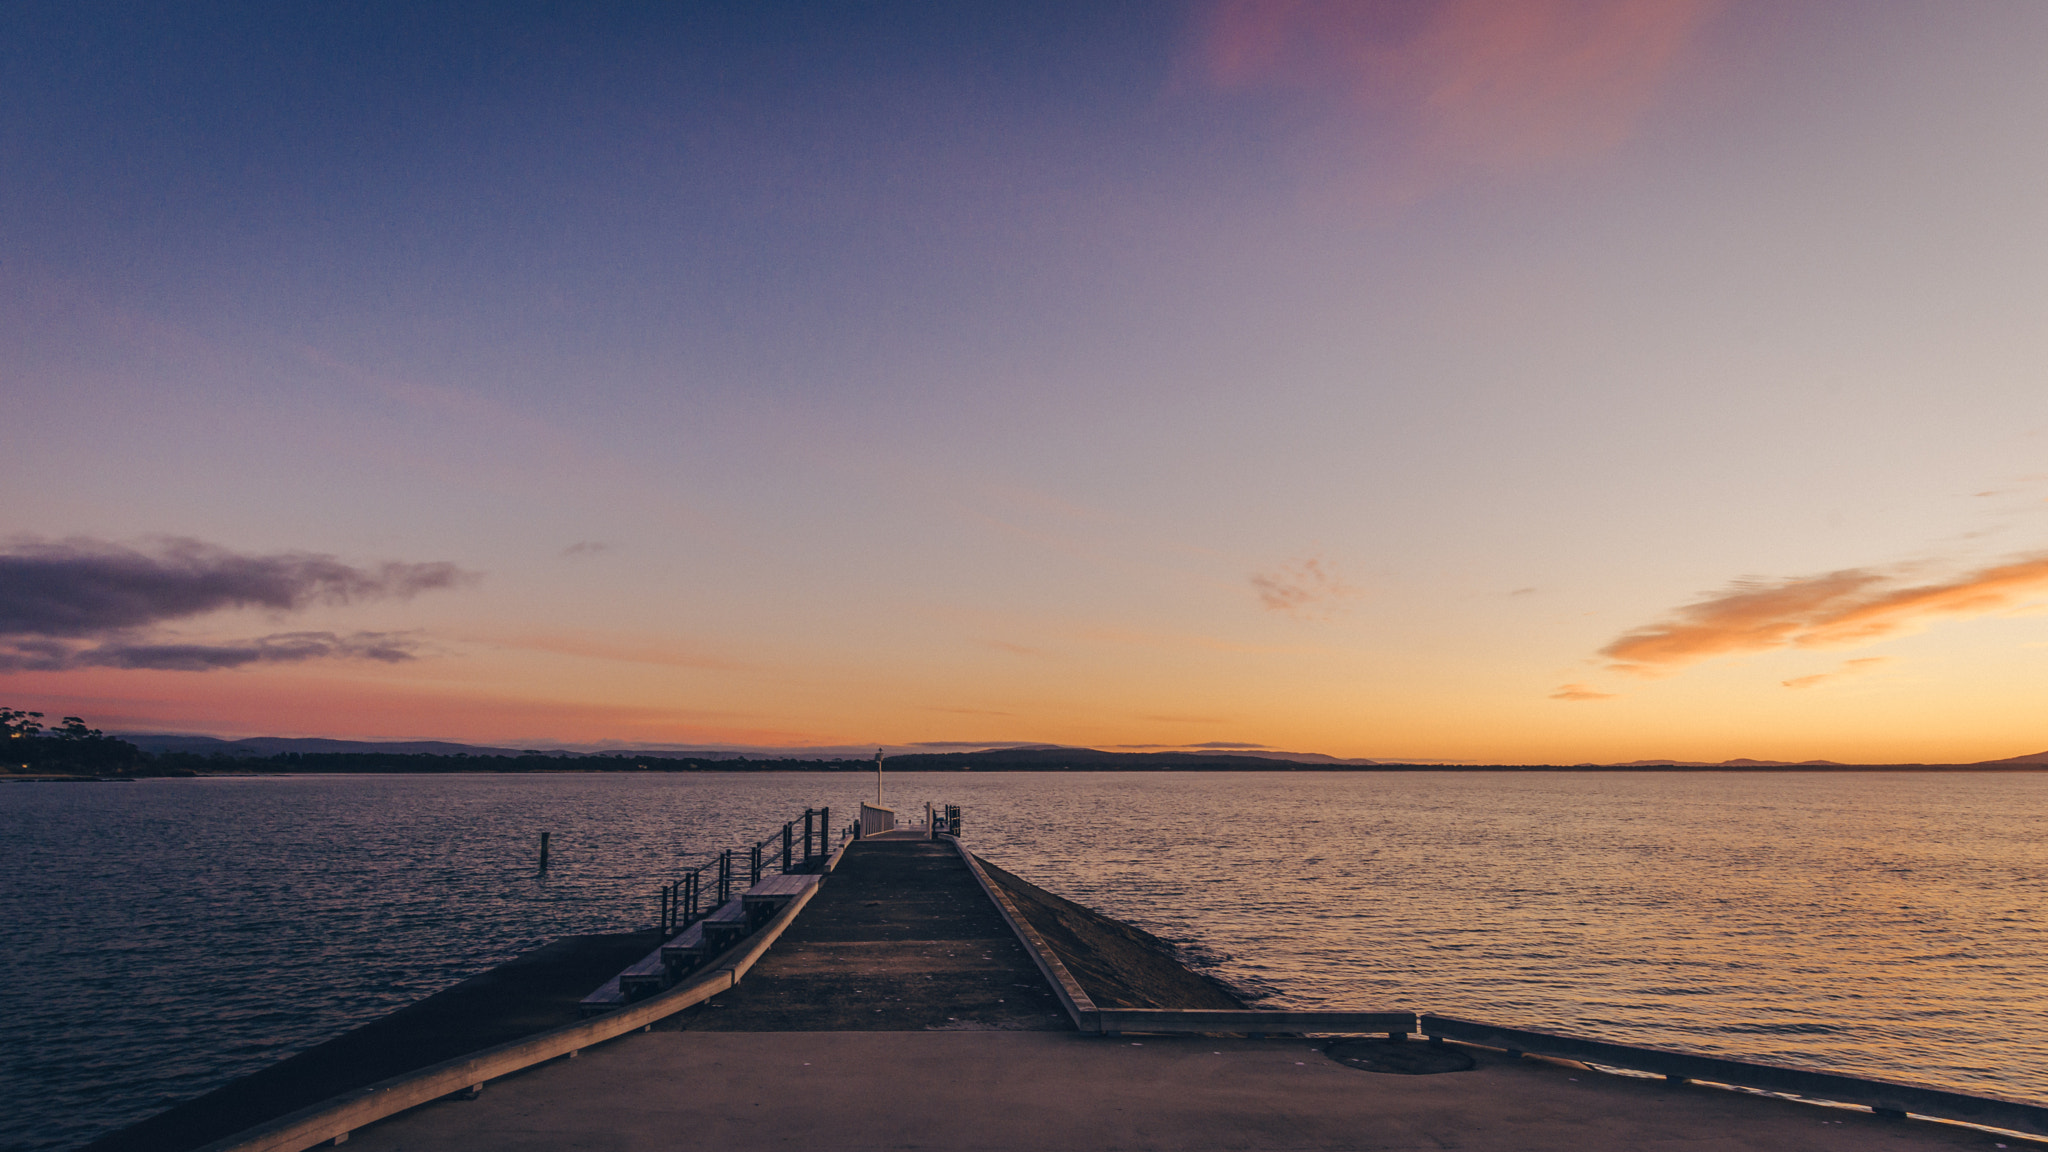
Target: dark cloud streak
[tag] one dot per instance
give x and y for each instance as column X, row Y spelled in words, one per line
column 84, row 587
column 33, row 655
column 83, row 603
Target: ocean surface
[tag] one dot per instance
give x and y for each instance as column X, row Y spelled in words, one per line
column 163, row 937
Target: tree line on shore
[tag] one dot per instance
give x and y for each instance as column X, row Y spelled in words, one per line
column 66, row 748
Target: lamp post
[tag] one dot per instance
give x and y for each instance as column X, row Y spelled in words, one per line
column 878, row 777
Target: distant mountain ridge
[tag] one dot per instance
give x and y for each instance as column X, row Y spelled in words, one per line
column 2029, row 758
column 1737, row 763
column 275, row 745
column 998, row 756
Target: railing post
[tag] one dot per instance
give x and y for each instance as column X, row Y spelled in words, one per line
column 754, row 866
column 724, row 877
column 825, row 832
column 785, row 846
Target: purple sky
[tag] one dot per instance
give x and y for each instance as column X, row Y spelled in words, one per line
column 1528, row 381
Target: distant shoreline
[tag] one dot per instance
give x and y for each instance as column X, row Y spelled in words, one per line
column 261, row 769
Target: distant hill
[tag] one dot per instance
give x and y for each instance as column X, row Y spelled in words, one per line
column 1737, row 763
column 440, row 756
column 276, row 745
column 1297, row 757
column 2029, row 758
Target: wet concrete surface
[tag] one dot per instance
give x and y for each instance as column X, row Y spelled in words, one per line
column 899, row 938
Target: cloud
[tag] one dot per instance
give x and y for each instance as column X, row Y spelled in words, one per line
column 39, row 655
column 1305, row 588
column 1848, row 668
column 81, row 587
column 1579, row 692
column 1222, row 744
column 86, row 603
column 586, row 548
column 1445, row 85
column 1836, row 610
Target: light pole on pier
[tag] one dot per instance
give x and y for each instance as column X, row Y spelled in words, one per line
column 878, row 777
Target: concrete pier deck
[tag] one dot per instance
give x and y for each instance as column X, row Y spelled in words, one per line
column 900, row 938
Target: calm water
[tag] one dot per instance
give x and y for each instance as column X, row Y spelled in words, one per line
column 163, row 937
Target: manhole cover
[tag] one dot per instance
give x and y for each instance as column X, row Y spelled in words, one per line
column 1403, row 1058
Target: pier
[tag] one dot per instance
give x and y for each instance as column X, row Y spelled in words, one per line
column 906, row 994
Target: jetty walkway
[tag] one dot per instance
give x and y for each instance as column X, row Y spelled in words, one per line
column 901, row 939
column 898, row 1010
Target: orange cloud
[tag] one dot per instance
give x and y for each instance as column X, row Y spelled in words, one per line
column 1471, row 84
column 1305, row 588
column 1837, row 610
column 1848, row 668
column 1579, row 692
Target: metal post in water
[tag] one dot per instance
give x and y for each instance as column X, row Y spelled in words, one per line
column 543, row 853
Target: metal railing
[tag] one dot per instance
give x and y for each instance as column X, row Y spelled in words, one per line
column 696, row 895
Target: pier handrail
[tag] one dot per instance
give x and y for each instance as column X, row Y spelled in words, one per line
column 682, row 902
column 334, row 1118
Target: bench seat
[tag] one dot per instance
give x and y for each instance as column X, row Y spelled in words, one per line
column 773, row 894
column 726, row 927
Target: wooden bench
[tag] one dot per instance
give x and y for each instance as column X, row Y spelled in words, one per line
column 685, row 952
column 733, row 922
column 725, row 927
column 603, row 1000
column 661, row 968
column 773, row 894
column 644, row 978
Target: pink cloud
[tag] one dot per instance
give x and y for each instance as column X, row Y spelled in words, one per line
column 1835, row 610
column 1579, row 692
column 1847, row 668
column 1306, row 588
column 1456, row 85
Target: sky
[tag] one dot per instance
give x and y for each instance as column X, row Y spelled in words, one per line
column 1514, row 381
